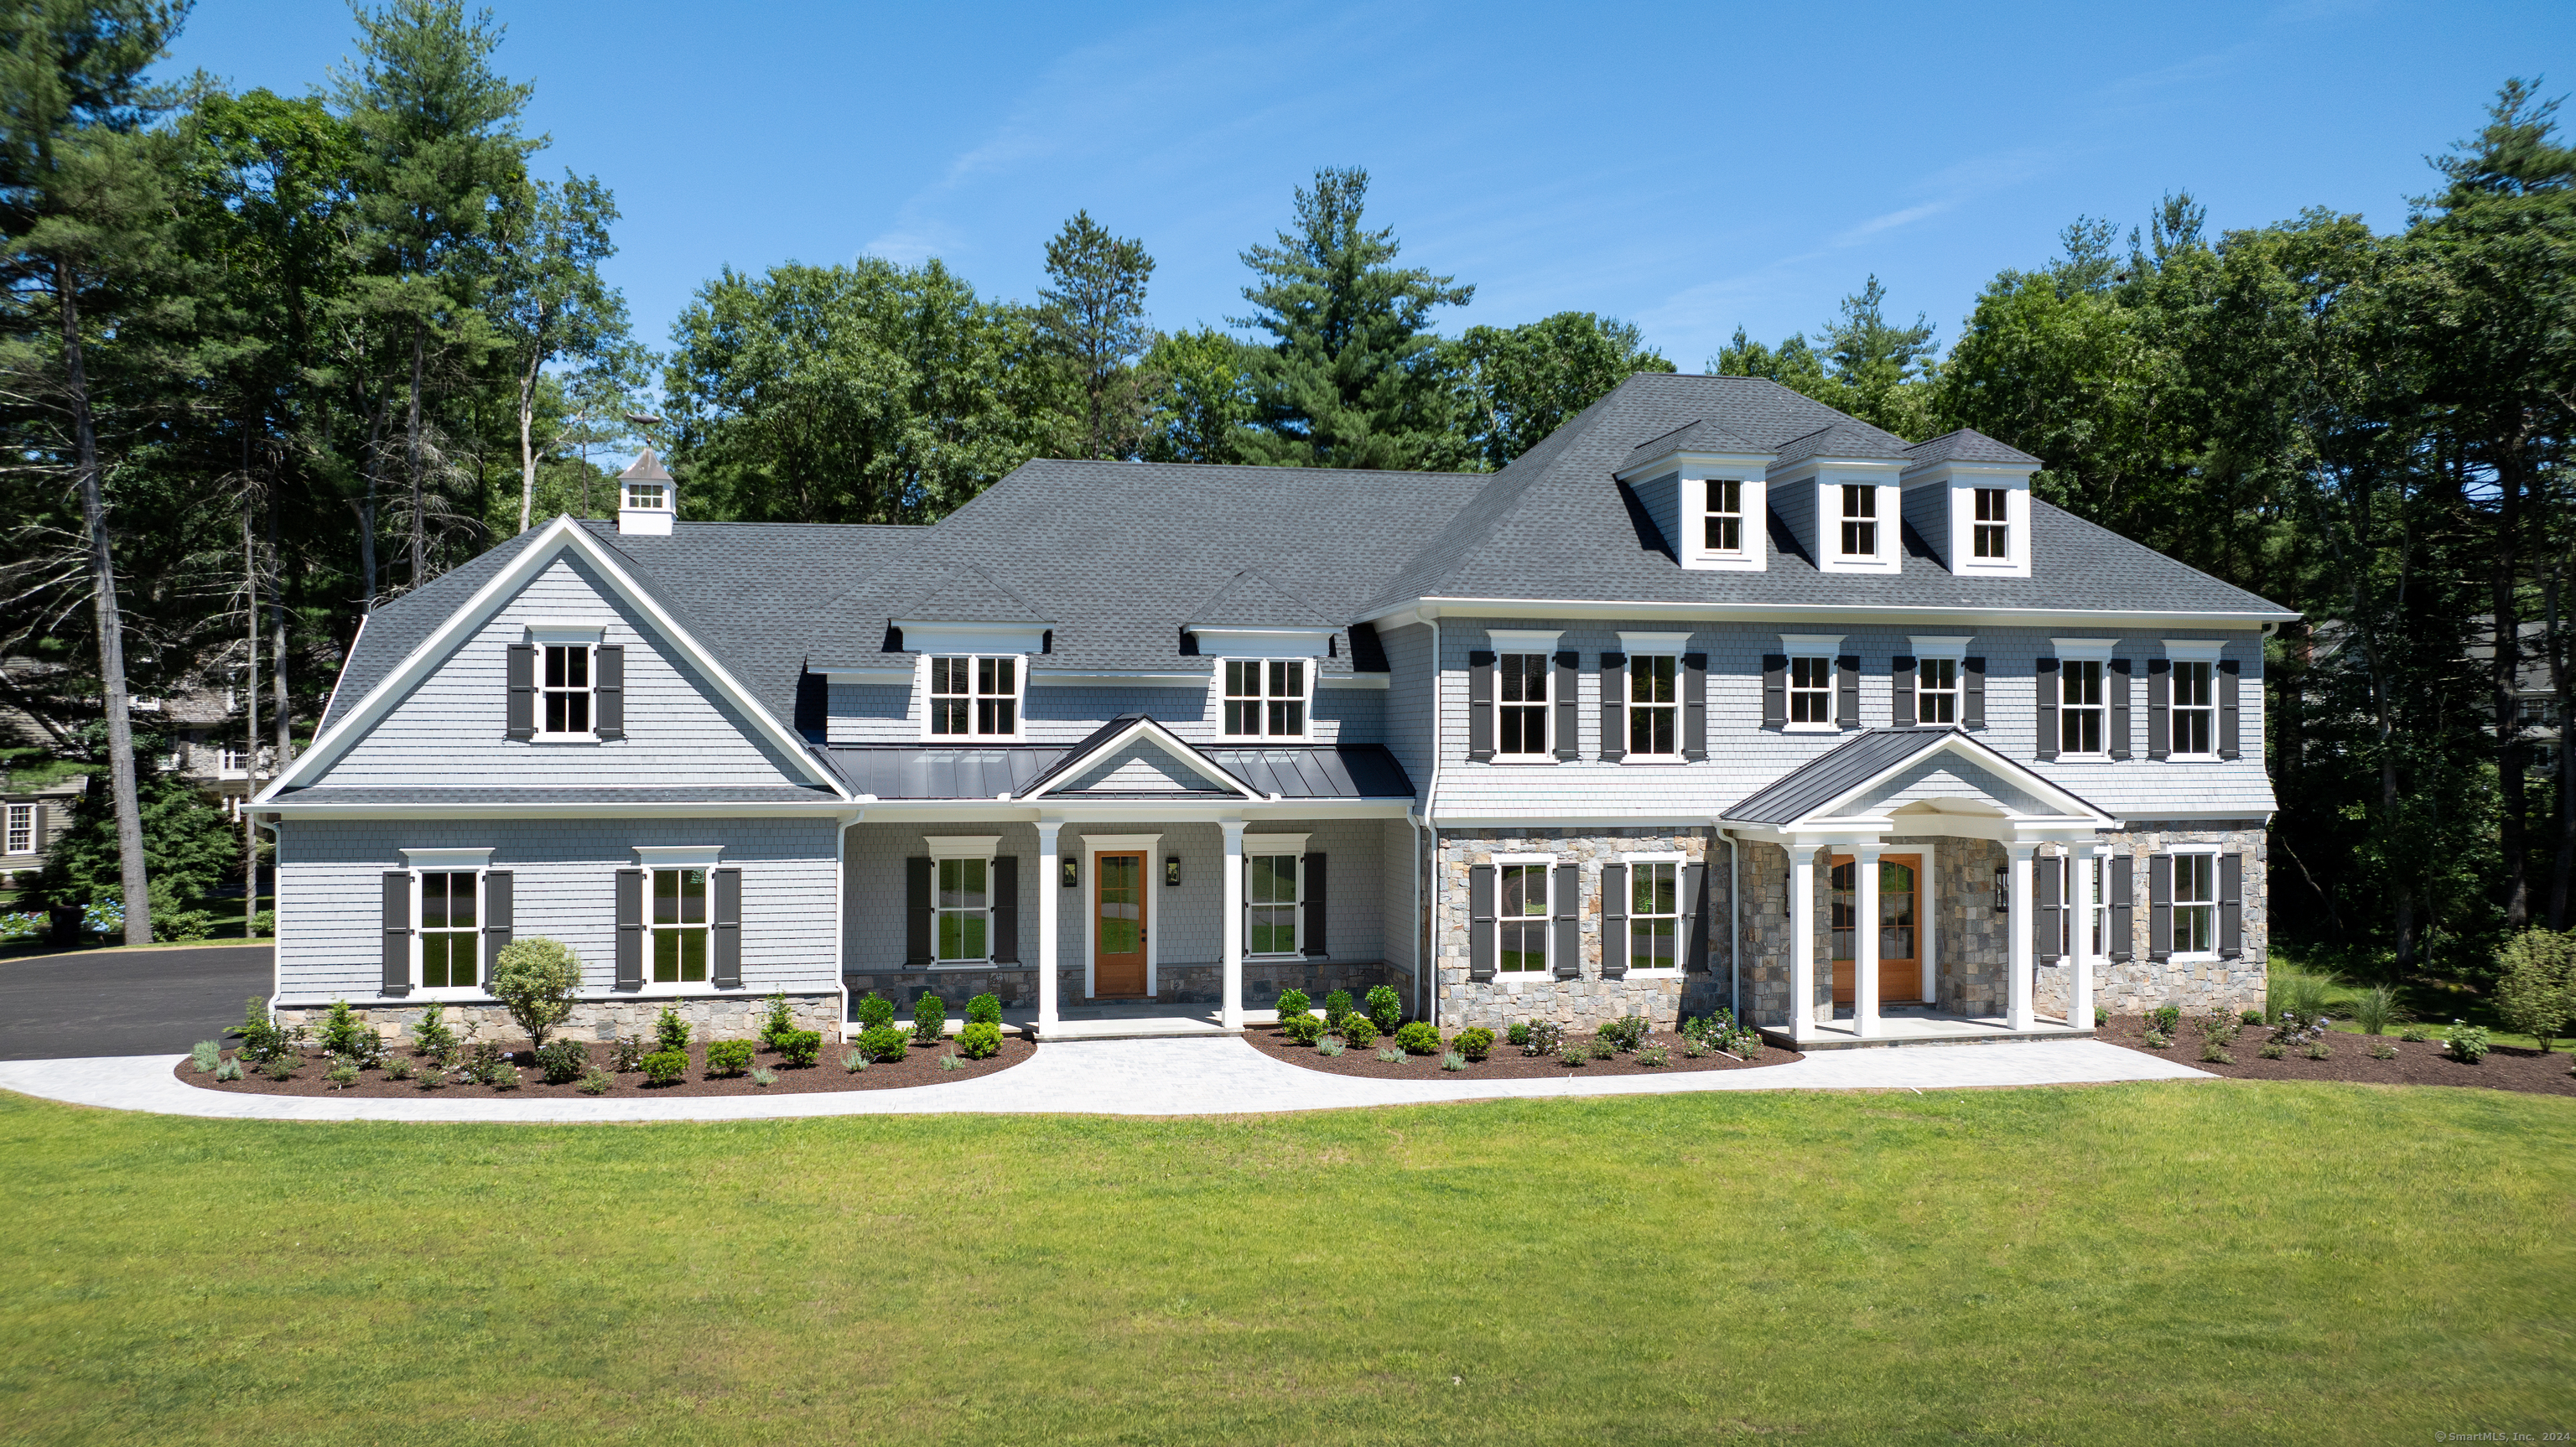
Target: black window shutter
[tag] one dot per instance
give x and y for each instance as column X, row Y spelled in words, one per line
column 728, row 928
column 2045, row 680
column 1480, row 922
column 1006, row 910
column 500, row 901
column 916, row 909
column 630, row 929
column 1569, row 667
column 1775, row 690
column 2227, row 708
column 1972, row 693
column 1694, row 706
column 523, row 691
column 2159, row 707
column 2121, row 886
column 1614, row 707
column 1480, row 705
column 608, row 691
column 1900, row 681
column 397, row 975
column 1314, row 922
column 2115, row 682
column 1614, row 921
column 1692, row 947
column 2231, row 905
column 1566, row 884
column 2160, row 907
column 2047, row 929
column 1847, row 691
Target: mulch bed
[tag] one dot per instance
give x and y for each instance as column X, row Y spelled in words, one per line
column 2417, row 1062
column 1505, row 1063
column 920, row 1066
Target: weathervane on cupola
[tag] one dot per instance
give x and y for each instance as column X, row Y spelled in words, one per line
column 646, row 502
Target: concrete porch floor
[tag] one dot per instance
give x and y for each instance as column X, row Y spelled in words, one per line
column 1920, row 1025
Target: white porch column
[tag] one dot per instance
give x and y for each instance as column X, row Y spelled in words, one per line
column 1050, row 876
column 2017, row 939
column 1802, row 941
column 2079, row 1009
column 1232, row 1019
column 1865, row 940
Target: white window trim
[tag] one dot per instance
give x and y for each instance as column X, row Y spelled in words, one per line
column 1508, row 641
column 1681, row 943
column 2193, row 650
column 2211, row 852
column 679, row 856
column 440, row 860
column 1217, row 695
column 568, row 632
column 1651, row 645
column 1523, row 640
column 450, row 861
column 2101, row 857
column 1512, row 980
column 1275, row 844
column 8, row 825
column 1827, row 646
column 1945, row 648
column 962, row 846
column 1093, row 846
column 586, row 639
column 1019, row 699
column 1745, row 497
column 944, row 847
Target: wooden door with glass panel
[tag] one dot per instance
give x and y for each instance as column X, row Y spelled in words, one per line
column 1900, row 933
column 1118, row 925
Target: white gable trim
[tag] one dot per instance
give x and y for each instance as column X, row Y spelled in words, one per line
column 2071, row 808
column 1163, row 738
column 561, row 536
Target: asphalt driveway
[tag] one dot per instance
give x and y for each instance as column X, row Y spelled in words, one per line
column 148, row 1002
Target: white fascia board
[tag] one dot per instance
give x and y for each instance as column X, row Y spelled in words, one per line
column 1073, row 809
column 2141, row 817
column 1263, row 642
column 715, row 810
column 1114, row 678
column 929, row 636
column 2073, row 807
column 560, row 536
column 1684, row 462
column 1462, row 819
column 1164, row 739
column 1806, row 468
column 1922, row 473
column 1774, row 613
column 878, row 673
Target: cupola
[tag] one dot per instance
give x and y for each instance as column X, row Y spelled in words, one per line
column 646, row 500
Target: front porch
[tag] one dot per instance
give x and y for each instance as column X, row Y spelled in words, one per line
column 1919, row 1025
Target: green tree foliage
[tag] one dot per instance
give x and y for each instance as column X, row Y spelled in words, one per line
column 550, row 303
column 1872, row 368
column 1091, row 321
column 188, row 845
column 1522, row 383
column 537, row 980
column 2535, row 990
column 1202, row 403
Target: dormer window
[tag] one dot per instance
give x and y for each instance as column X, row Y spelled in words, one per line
column 1859, row 516
column 975, row 696
column 1993, row 525
column 1724, row 531
column 647, row 495
column 1266, row 697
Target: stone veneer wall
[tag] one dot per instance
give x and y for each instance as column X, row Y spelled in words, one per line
column 2199, row 987
column 1204, row 984
column 731, row 1016
column 1590, row 1001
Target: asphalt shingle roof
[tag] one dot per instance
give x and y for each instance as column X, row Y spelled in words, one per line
column 1966, row 445
column 1697, row 436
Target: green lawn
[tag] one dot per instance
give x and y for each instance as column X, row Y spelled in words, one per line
column 2192, row 1262
column 2433, row 1003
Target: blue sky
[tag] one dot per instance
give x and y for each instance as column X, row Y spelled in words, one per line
column 1692, row 168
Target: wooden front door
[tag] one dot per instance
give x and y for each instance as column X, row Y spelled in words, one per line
column 1900, row 928
column 1118, row 926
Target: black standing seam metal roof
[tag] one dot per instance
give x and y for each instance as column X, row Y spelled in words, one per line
column 1083, row 752
column 1847, row 766
column 912, row 771
column 410, row 795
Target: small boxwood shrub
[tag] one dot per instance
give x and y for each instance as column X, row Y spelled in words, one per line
column 1625, row 1033
column 1475, row 1042
column 980, row 1041
column 1385, row 1007
column 728, row 1057
column 1419, row 1038
column 800, row 1047
column 1603, row 1047
column 670, row 1031
column 1518, row 1033
column 929, row 1019
column 1359, row 1030
column 1336, row 1005
column 562, row 1061
column 665, row 1067
column 598, row 1082
column 873, row 1010
column 984, row 1009
column 1301, row 1028
column 2166, row 1018
column 882, row 1043
column 1293, row 1002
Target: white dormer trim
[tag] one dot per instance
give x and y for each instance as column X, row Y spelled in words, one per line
column 559, row 537
column 1170, row 743
column 1808, row 494
column 567, row 632
column 1943, row 501
column 1264, row 642
column 927, row 636
column 1753, row 505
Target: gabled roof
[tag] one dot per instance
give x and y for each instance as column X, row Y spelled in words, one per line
column 919, row 771
column 1843, row 439
column 1251, row 600
column 1967, row 445
column 1700, row 435
column 1811, row 792
column 965, row 593
column 1117, row 734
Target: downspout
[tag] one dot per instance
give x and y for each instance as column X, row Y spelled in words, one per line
column 1425, row 853
column 277, row 926
column 841, row 828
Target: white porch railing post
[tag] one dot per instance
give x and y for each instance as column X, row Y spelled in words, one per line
column 1865, row 940
column 2017, row 937
column 1232, row 1019
column 1050, row 885
column 1802, row 941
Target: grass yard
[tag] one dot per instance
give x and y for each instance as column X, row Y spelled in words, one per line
column 2193, row 1262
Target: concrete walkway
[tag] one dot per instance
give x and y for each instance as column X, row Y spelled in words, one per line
column 1114, row 1077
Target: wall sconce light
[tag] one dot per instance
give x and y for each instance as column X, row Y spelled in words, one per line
column 2003, row 889
column 1072, row 872
column 1171, row 869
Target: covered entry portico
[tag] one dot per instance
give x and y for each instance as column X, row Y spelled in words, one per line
column 1940, row 814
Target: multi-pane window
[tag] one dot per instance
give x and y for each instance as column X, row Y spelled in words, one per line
column 1994, row 529
column 2079, row 706
column 21, row 833
column 644, row 494
column 1860, row 526
column 450, row 929
column 1654, row 704
column 1936, row 690
column 1725, row 532
column 963, row 905
column 567, row 688
column 1811, row 690
column 975, row 696
column 1265, row 697
column 679, row 926
column 2195, row 904
column 1270, row 902
column 1654, row 915
column 1523, row 918
column 2191, row 708
column 1521, row 680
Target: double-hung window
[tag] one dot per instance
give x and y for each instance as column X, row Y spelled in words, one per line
column 1266, row 697
column 566, row 690
column 1521, row 683
column 973, row 695
column 1522, row 919
column 451, row 928
column 1994, row 527
column 20, row 837
column 2195, row 904
column 1860, row 520
column 679, row 926
column 2080, row 710
column 1654, row 914
column 963, row 905
column 1936, row 690
column 1654, row 704
column 1725, row 521
column 2192, row 707
column 1811, row 690
column 1271, row 902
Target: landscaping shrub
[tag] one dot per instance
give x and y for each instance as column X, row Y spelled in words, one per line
column 780, row 1019
column 561, row 1061
column 2165, row 1018
column 2416, row 1034
column 432, row 1038
column 347, row 1036
column 207, row 1055
column 2382, row 1050
column 929, row 1019
column 950, row 1061
column 1655, row 1055
column 1574, row 1052
column 399, row 1068
column 281, row 1067
column 2375, row 1009
column 229, row 1070
column 264, row 922
column 2318, row 1049
column 1744, row 1044
column 873, row 1010
column 2466, row 1042
column 882, row 1043
column 854, row 1061
column 800, row 1048
column 1625, row 1033
column 2101, row 1017
column 2249, row 1017
column 179, row 925
column 2157, row 1040
column 1419, row 1038
column 980, row 1041
column 1301, row 1028
column 1453, row 1061
column 536, row 979
column 764, row 1076
column 665, row 1067
column 1517, row 1032
column 1603, row 1047
column 487, row 1063
column 1696, row 1049
column 1390, row 1055
column 1328, row 1046
column 503, row 1076
column 598, row 1082
column 1359, row 1030
column 728, row 1057
column 262, row 1041
column 2272, row 1050
column 432, row 1080
column 670, row 1032
column 1293, row 1002
column 2536, row 990
column 1539, row 1037
column 1336, row 1005
column 984, row 1009
column 626, row 1054
column 2213, row 1049
column 342, row 1075
column 1385, row 1008
column 1475, row 1042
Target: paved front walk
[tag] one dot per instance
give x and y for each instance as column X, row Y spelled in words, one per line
column 1113, row 1077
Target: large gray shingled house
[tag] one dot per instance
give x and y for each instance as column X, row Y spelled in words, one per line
column 1718, row 697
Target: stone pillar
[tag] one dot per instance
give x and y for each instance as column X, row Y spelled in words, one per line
column 2079, row 993
column 1802, row 941
column 1865, row 940
column 1050, row 885
column 2017, row 937
column 1232, row 1019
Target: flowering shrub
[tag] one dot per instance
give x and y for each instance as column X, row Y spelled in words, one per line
column 26, row 926
column 2466, row 1042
